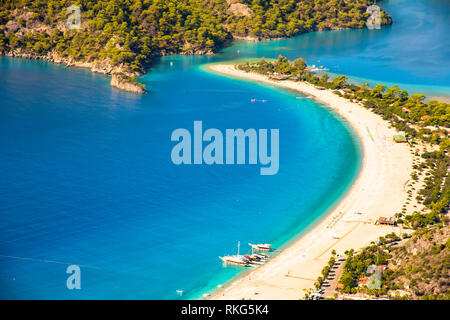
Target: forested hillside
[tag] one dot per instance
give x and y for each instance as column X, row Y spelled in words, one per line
column 285, row 18
column 415, row 268
column 122, row 36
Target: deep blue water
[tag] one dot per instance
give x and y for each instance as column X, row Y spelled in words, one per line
column 86, row 176
column 87, row 179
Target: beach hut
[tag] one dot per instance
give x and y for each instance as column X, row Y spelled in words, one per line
column 400, row 138
column 385, row 221
column 440, row 133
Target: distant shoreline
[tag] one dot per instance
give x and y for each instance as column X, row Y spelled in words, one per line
column 378, row 191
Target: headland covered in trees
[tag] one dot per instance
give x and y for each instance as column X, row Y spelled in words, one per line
column 122, row 37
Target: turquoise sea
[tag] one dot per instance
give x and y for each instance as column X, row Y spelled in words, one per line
column 86, row 176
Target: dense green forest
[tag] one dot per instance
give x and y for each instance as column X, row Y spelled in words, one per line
column 419, row 263
column 285, row 18
column 128, row 33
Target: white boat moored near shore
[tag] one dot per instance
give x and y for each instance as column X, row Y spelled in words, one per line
column 261, row 246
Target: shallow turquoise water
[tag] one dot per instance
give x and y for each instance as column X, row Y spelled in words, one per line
column 86, row 176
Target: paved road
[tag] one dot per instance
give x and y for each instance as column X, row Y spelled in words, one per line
column 331, row 281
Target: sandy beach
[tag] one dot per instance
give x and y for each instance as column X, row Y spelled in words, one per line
column 379, row 190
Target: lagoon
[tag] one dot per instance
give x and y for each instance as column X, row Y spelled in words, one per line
column 87, row 179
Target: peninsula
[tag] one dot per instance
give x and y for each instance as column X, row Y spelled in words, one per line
column 386, row 185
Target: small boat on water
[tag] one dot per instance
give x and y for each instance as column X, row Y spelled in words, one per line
column 260, row 256
column 314, row 68
column 235, row 259
column 255, row 257
column 255, row 100
column 261, row 246
column 252, row 259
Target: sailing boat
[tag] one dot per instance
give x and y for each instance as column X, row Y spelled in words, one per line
column 235, row 259
column 261, row 246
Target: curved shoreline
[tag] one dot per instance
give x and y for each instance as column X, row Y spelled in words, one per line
column 377, row 191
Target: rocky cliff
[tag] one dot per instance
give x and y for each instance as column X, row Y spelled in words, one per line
column 120, row 78
column 124, row 83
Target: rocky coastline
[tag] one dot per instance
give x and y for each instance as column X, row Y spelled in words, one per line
column 120, row 78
